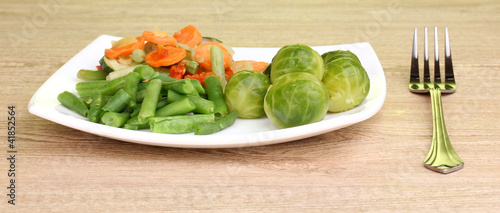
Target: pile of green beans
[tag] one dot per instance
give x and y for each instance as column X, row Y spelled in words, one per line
column 145, row 99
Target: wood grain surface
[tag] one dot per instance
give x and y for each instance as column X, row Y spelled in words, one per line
column 375, row 165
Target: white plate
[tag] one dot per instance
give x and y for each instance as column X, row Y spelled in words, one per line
column 245, row 132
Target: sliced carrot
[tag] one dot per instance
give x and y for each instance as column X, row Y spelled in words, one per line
column 200, row 76
column 258, row 66
column 125, row 50
column 202, row 55
column 188, row 35
column 165, row 56
column 161, row 39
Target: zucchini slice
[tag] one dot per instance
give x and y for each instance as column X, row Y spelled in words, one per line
column 110, row 65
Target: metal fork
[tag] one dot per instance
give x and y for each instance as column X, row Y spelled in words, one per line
column 442, row 157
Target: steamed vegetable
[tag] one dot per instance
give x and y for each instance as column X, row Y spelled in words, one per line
column 86, row 74
column 148, row 106
column 158, row 37
column 296, row 58
column 118, row 51
column 332, row 55
column 245, row 93
column 202, row 55
column 347, row 83
column 72, row 102
column 296, row 99
column 178, row 124
column 216, row 95
column 216, row 126
column 188, row 35
column 165, row 56
column 175, row 84
column 115, row 119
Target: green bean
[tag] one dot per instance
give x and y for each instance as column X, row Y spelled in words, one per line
column 95, row 107
column 165, row 78
column 162, row 102
column 180, row 107
column 115, row 119
column 72, row 102
column 130, row 87
column 148, row 107
column 101, row 115
column 183, row 86
column 87, row 88
column 178, row 124
column 112, row 87
column 85, row 74
column 86, row 100
column 140, row 95
column 142, row 85
column 131, row 126
column 218, row 125
column 145, row 72
column 136, row 110
column 203, row 106
column 217, row 61
column 216, row 95
column 118, row 102
column 135, row 121
column 197, row 85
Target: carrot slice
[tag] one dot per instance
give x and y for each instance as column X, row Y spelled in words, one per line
column 188, row 35
column 202, row 55
column 125, row 50
column 159, row 39
column 258, row 66
column 165, row 56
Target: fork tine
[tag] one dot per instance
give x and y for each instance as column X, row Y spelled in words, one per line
column 448, row 66
column 414, row 74
column 437, row 70
column 427, row 78
column 449, row 86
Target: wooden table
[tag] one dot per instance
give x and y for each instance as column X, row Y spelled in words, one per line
column 375, row 165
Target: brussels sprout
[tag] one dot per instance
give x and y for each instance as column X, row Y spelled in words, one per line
column 347, row 82
column 332, row 55
column 295, row 99
column 296, row 58
column 245, row 93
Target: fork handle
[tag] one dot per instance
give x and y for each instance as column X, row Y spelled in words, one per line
column 442, row 157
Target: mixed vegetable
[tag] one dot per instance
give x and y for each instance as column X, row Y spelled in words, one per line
column 189, row 83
